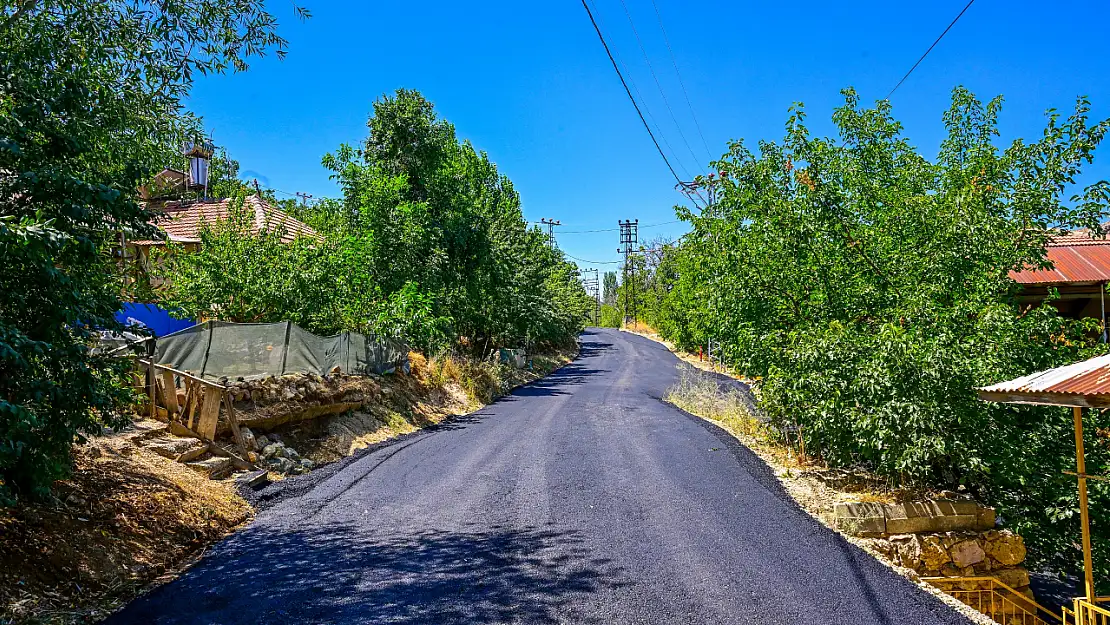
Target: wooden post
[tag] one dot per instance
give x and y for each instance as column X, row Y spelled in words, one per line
column 170, row 392
column 153, row 391
column 1081, row 469
column 209, row 413
column 189, row 416
column 233, row 422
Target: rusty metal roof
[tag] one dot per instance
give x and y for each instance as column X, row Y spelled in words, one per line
column 1086, row 261
column 1084, row 383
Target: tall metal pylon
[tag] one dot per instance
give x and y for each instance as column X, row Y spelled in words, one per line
column 550, row 223
column 629, row 232
column 593, row 288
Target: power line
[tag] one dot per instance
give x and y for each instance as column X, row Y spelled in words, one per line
column 642, row 100
column 617, row 69
column 658, row 84
column 665, row 223
column 591, row 262
column 682, row 84
column 970, row 2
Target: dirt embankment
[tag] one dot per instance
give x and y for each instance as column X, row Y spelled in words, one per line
column 128, row 518
column 125, row 518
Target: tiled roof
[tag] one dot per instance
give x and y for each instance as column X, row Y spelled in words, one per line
column 1082, row 236
column 182, row 223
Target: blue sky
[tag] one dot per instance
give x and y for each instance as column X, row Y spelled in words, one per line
column 530, row 84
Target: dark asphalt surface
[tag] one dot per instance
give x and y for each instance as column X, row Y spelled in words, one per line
column 582, row 498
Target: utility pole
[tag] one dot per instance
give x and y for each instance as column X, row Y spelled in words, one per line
column 257, row 189
column 304, row 197
column 629, row 238
column 593, row 288
column 550, row 223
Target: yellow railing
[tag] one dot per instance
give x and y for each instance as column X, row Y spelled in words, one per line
column 1086, row 612
column 997, row 600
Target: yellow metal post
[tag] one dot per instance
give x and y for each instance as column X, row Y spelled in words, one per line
column 1081, row 469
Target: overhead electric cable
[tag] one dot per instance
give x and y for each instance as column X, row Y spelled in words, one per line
column 682, row 84
column 593, row 262
column 971, row 2
column 624, row 83
column 675, row 221
column 658, row 84
column 654, row 123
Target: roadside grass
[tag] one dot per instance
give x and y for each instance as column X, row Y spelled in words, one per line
column 701, row 395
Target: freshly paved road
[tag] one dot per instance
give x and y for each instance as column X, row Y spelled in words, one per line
column 579, row 499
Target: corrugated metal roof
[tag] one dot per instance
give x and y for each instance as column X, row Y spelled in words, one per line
column 183, row 223
column 1090, row 377
column 1088, row 262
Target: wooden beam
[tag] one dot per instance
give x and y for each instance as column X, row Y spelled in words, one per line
column 1047, row 399
column 185, row 374
column 1084, row 519
column 233, row 421
column 192, row 389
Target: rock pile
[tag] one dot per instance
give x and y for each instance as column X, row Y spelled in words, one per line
column 267, row 403
column 275, row 455
column 994, row 553
column 307, row 388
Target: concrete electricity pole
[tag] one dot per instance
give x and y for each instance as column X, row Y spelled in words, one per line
column 629, row 239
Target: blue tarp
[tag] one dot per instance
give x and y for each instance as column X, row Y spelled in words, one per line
column 154, row 317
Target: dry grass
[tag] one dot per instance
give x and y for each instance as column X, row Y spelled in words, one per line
column 700, row 395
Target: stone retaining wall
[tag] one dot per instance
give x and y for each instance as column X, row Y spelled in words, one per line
column 267, row 403
column 942, row 538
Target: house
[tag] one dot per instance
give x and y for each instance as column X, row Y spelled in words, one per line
column 182, row 222
column 1081, row 270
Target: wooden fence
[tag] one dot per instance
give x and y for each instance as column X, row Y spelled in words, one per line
column 190, row 404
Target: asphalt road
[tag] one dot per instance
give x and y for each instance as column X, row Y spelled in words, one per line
column 582, row 498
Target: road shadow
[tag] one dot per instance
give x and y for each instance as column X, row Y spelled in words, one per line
column 590, row 344
column 346, row 574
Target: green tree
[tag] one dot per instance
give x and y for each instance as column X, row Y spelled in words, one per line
column 609, row 288
column 437, row 218
column 868, row 285
column 254, row 277
column 90, row 103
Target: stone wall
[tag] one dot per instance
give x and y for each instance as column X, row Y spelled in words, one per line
column 267, row 403
column 942, row 538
